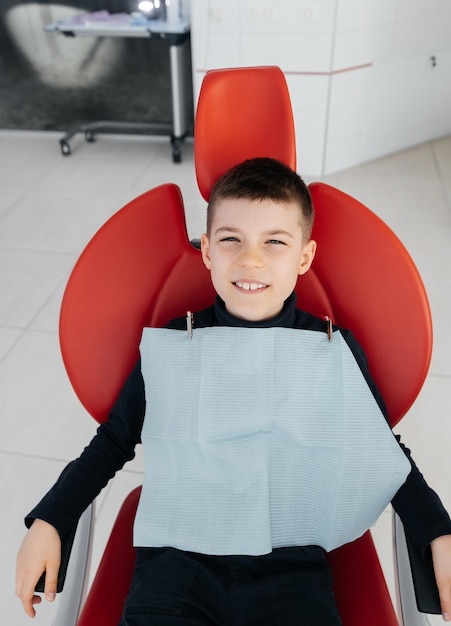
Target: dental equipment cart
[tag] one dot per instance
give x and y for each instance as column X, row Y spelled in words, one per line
column 175, row 33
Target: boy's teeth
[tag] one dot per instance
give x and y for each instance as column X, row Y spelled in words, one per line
column 250, row 286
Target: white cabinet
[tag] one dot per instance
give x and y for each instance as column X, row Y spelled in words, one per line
column 410, row 102
column 361, row 74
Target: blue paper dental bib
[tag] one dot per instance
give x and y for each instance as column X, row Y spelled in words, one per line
column 256, row 439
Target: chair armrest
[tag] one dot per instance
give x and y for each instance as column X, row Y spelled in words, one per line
column 414, row 580
column 76, row 581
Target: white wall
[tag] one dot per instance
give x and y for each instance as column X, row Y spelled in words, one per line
column 361, row 73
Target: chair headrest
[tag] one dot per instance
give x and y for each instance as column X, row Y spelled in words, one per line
column 242, row 113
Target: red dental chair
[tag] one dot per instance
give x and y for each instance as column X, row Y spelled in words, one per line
column 140, row 269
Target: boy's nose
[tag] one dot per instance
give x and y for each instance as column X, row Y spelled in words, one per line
column 250, row 257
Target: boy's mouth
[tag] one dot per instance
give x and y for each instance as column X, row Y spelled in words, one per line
column 249, row 286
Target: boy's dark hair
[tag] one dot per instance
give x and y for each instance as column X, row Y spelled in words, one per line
column 263, row 178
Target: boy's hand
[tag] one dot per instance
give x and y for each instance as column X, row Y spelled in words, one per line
column 441, row 557
column 40, row 551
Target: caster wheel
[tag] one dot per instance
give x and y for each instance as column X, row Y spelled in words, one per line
column 176, row 144
column 89, row 136
column 177, row 155
column 65, row 148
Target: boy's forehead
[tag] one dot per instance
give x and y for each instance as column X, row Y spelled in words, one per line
column 244, row 209
column 266, row 215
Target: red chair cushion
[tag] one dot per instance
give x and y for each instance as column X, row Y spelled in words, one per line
column 242, row 113
column 375, row 290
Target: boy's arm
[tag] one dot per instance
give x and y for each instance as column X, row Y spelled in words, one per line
column 418, row 506
column 80, row 482
column 441, row 558
column 420, row 509
column 40, row 551
column 83, row 479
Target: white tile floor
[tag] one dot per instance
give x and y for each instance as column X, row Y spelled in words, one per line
column 49, row 208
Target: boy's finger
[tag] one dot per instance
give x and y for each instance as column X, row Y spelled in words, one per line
column 28, row 599
column 445, row 602
column 51, row 579
column 446, row 611
column 35, row 600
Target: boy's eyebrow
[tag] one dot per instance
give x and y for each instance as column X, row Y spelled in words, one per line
column 272, row 233
column 228, row 229
column 268, row 233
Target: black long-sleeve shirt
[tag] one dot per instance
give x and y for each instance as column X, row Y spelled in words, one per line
column 418, row 506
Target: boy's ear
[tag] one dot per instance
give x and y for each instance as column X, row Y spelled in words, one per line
column 308, row 254
column 205, row 249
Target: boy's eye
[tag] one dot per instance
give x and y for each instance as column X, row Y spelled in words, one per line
column 231, row 238
column 277, row 242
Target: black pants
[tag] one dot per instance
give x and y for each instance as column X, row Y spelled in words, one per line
column 290, row 586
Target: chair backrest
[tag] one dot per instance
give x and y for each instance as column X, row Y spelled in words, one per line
column 242, row 114
column 140, row 269
column 133, row 274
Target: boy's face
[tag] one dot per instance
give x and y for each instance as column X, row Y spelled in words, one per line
column 255, row 251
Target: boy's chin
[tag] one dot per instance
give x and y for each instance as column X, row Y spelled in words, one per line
column 254, row 314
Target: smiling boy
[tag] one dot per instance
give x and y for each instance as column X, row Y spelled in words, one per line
column 214, row 545
column 255, row 251
column 256, row 246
